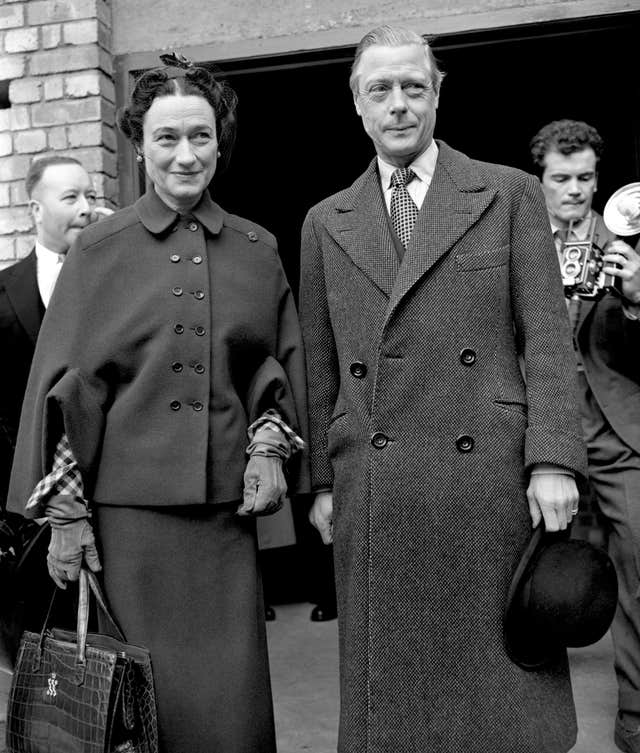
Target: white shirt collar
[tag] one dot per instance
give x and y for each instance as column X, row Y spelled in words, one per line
column 46, row 257
column 579, row 229
column 423, row 166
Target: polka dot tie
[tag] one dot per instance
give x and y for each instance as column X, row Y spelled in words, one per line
column 403, row 209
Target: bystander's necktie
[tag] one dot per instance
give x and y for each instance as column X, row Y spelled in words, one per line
column 403, row 208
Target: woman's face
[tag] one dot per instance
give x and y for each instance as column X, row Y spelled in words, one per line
column 180, row 148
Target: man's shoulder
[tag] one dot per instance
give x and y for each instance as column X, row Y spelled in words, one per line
column 16, row 269
column 493, row 174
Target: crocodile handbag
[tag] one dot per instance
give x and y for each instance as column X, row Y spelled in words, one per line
column 82, row 692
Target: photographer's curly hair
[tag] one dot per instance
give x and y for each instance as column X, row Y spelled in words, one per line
column 564, row 137
column 186, row 80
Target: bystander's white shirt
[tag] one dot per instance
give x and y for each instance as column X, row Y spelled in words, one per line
column 424, row 167
column 48, row 266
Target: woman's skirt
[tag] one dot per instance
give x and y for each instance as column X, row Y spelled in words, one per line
column 184, row 583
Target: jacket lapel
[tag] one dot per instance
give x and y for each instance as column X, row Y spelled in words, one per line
column 23, row 293
column 456, row 199
column 361, row 228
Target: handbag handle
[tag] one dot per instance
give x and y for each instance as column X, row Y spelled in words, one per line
column 89, row 582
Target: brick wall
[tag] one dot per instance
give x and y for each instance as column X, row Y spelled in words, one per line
column 57, row 56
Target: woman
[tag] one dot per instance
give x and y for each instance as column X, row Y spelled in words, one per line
column 171, row 334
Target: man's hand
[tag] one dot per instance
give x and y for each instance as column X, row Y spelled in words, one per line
column 99, row 212
column 554, row 497
column 623, row 262
column 264, row 486
column 321, row 515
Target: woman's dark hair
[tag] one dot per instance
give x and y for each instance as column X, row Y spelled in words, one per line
column 195, row 80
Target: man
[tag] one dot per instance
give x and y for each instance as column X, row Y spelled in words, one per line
column 566, row 154
column 431, row 459
column 63, row 201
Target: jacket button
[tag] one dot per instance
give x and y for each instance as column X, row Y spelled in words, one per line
column 175, row 405
column 467, row 356
column 200, row 331
column 464, row 443
column 379, row 440
column 193, row 226
column 175, row 258
column 178, row 329
column 177, row 290
column 197, row 405
column 199, row 295
column 252, row 236
column 176, row 366
column 199, row 368
column 358, row 369
column 197, row 260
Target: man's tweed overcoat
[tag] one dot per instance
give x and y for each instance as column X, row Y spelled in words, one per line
column 423, row 427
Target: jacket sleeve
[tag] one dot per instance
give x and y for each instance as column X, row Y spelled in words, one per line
column 280, row 383
column 554, row 432
column 65, row 391
column 322, row 359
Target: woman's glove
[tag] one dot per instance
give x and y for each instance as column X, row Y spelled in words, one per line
column 264, row 483
column 72, row 539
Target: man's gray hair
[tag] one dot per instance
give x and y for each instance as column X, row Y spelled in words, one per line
column 394, row 36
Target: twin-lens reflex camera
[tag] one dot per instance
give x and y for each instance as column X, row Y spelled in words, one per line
column 581, row 266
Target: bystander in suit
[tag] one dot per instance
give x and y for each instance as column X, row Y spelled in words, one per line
column 606, row 334
column 431, row 458
column 63, row 201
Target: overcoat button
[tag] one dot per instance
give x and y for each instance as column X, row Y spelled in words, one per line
column 193, row 226
column 199, row 294
column 358, row 369
column 175, row 258
column 200, row 331
column 197, row 405
column 175, row 405
column 464, row 443
column 178, row 329
column 199, row 368
column 197, row 260
column 177, row 366
column 379, row 440
column 252, row 236
column 467, row 356
column 177, row 290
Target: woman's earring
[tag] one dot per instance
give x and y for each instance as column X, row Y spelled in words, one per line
column 218, row 152
column 139, row 158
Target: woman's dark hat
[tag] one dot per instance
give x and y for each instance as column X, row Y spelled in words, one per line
column 563, row 593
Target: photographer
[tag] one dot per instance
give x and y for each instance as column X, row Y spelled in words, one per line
column 606, row 334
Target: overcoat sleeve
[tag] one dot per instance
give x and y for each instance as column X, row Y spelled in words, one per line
column 553, row 432
column 66, row 390
column 322, row 360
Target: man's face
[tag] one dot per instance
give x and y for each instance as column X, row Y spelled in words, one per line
column 62, row 202
column 396, row 101
column 568, row 183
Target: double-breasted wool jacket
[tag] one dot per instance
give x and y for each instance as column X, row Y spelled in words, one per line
column 160, row 345
column 424, row 428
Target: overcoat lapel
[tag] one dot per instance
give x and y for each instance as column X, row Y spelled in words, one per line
column 23, row 293
column 361, row 228
column 455, row 201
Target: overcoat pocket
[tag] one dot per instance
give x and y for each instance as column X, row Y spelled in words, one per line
column 484, row 259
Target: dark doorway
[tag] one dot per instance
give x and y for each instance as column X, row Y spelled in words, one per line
column 299, row 138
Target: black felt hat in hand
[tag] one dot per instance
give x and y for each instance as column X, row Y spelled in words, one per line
column 563, row 593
